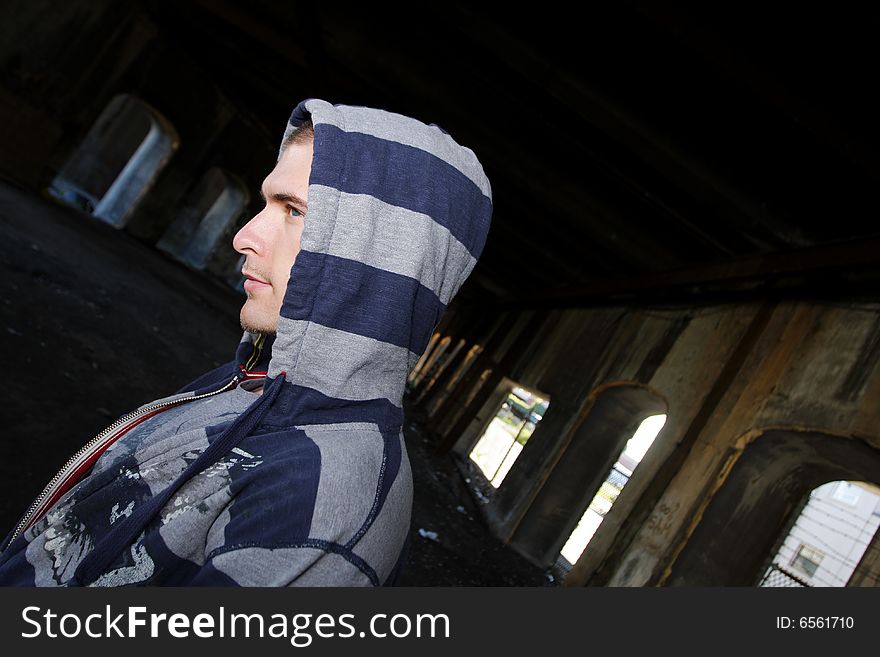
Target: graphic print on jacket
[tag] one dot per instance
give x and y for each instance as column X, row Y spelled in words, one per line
column 308, row 483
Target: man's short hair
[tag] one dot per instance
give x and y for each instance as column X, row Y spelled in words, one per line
column 300, row 135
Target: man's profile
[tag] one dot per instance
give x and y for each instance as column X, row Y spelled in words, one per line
column 286, row 465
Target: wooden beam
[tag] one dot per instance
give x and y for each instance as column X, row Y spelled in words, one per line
column 843, row 257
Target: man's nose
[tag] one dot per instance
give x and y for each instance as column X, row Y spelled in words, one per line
column 247, row 239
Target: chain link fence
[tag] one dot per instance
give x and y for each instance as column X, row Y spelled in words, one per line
column 777, row 576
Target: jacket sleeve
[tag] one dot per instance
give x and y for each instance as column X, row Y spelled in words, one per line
column 329, row 507
column 306, row 564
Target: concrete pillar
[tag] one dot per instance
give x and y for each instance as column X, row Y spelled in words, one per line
column 472, row 332
column 867, row 573
column 205, row 219
column 233, row 276
column 441, row 368
column 117, row 161
column 430, row 363
column 570, row 485
column 741, row 526
column 454, row 376
column 451, row 407
column 459, row 421
column 415, row 375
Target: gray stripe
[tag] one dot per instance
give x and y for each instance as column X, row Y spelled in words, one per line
column 187, row 519
column 216, row 537
column 350, row 467
column 391, row 238
column 162, row 461
column 382, row 543
column 303, row 566
column 340, row 426
column 247, row 337
column 387, row 237
column 339, row 364
column 333, row 570
column 322, row 206
column 403, row 130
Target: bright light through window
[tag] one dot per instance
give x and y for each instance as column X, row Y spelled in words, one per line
column 643, row 438
column 618, row 476
column 828, row 539
column 507, row 434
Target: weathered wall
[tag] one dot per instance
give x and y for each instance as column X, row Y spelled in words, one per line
column 733, row 379
column 587, row 352
column 62, row 63
column 812, row 370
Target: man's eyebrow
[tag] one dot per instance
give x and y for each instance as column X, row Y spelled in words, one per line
column 285, row 197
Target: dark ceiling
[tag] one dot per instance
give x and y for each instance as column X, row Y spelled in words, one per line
column 635, row 152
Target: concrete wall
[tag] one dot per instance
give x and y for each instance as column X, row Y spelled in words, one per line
column 792, row 386
column 62, row 63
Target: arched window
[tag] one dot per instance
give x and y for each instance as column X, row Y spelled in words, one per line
column 507, row 433
column 117, row 161
column 742, row 530
column 827, row 540
column 618, row 476
column 583, row 474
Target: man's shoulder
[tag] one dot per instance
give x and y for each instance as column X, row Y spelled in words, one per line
column 340, row 469
column 349, row 455
column 325, row 489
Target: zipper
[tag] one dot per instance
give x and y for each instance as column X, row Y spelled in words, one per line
column 89, row 453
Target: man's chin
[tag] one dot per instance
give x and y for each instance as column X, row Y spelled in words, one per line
column 256, row 327
column 255, row 331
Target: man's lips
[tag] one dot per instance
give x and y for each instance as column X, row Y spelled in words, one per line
column 253, row 281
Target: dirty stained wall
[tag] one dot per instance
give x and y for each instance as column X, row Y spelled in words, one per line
column 731, row 378
column 62, row 64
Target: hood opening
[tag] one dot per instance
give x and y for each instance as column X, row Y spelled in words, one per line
column 398, row 215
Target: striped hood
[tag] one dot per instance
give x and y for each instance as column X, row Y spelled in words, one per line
column 308, row 483
column 398, row 215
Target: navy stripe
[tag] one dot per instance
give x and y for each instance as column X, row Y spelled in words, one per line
column 208, row 575
column 299, row 114
column 404, row 176
column 310, row 406
column 284, row 487
column 170, row 569
column 357, row 298
column 315, row 543
column 15, row 569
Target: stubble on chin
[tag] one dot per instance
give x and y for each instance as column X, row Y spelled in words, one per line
column 255, row 327
column 256, row 330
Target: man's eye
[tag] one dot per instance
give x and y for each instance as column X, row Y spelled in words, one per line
column 293, row 213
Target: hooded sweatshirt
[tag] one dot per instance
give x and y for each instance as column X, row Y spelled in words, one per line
column 308, row 483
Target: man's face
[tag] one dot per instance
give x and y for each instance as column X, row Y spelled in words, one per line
column 271, row 240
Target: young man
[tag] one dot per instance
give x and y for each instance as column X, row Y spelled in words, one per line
column 285, row 466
